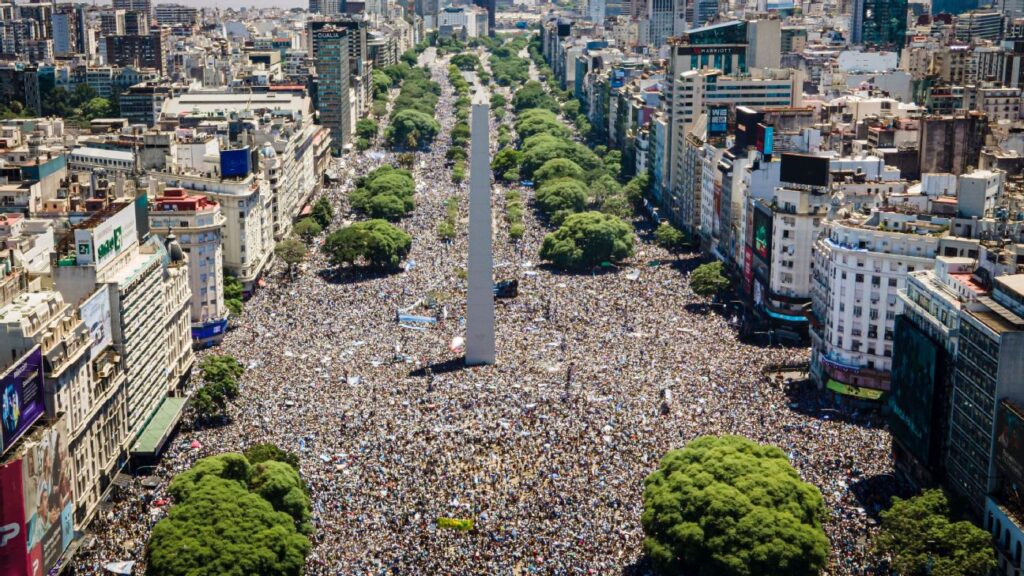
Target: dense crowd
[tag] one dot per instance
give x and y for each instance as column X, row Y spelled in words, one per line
column 546, row 451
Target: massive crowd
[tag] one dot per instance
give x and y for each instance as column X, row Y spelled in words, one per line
column 546, row 451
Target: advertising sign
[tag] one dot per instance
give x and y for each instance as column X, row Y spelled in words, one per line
column 913, row 389
column 13, row 555
column 763, row 235
column 235, row 163
column 49, row 510
column 1010, row 444
column 21, row 403
column 765, row 139
column 748, row 269
column 100, row 244
column 96, row 316
column 804, row 169
column 718, row 120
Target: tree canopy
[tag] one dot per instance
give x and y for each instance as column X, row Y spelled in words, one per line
column 323, row 212
column 262, row 452
column 533, row 95
column 291, row 251
column 539, row 121
column 670, row 238
column 386, row 192
column 374, row 243
column 727, row 506
column 587, row 239
column 538, row 149
column 921, row 539
column 233, row 518
column 466, row 61
column 307, row 229
column 708, row 279
column 412, row 129
column 558, row 168
column 561, row 194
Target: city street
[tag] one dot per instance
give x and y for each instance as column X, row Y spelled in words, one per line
column 547, row 450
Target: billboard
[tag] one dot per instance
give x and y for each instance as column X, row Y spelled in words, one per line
column 912, row 397
column 96, row 317
column 765, row 139
column 13, row 553
column 804, row 169
column 235, row 163
column 1010, row 446
column 107, row 239
column 21, row 403
column 763, row 235
column 718, row 120
column 49, row 510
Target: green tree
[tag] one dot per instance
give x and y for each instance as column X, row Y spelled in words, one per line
column 617, row 205
column 538, row 149
column 587, row 239
column 291, row 251
column 375, row 243
column 708, row 279
column 533, row 95
column 557, row 168
column 670, row 238
column 467, row 61
column 571, row 109
column 506, row 159
column 921, row 539
column 386, row 192
column 539, row 121
column 97, row 108
column 381, row 83
column 412, row 129
column 561, row 194
column 460, row 135
column 727, row 506
column 262, row 452
column 323, row 212
column 307, row 229
column 366, row 128
column 218, row 526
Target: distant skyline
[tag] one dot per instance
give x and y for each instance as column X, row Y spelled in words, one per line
column 236, row 4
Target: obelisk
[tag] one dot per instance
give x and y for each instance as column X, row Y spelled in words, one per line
column 480, row 297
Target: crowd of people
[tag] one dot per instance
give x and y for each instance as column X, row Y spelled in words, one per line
column 545, row 451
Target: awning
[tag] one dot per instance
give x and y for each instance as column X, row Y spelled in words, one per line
column 855, row 391
column 153, row 437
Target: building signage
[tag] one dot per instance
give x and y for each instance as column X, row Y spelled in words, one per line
column 1010, row 444
column 718, row 120
column 21, row 397
column 100, row 244
column 96, row 317
column 698, row 50
column 13, row 552
column 49, row 510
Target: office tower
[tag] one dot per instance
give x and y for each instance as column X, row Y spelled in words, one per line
column 703, row 12
column 331, row 54
column 491, row 6
column 65, row 32
column 136, row 5
column 596, row 11
column 112, row 23
column 879, row 22
column 136, row 23
column 665, row 19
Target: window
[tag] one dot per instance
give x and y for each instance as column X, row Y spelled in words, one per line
column 859, row 278
column 892, row 282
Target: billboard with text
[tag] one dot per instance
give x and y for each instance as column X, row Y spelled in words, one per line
column 21, row 397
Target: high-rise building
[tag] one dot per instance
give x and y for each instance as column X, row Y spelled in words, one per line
column 953, row 6
column 112, row 23
column 879, row 22
column 428, row 10
column 331, row 54
column 136, row 5
column 664, row 19
column 989, row 364
column 136, row 23
column 65, row 31
column 491, row 6
column 979, row 25
column 171, row 14
column 196, row 221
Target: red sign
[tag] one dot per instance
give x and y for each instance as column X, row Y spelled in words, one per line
column 13, row 552
column 748, row 269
